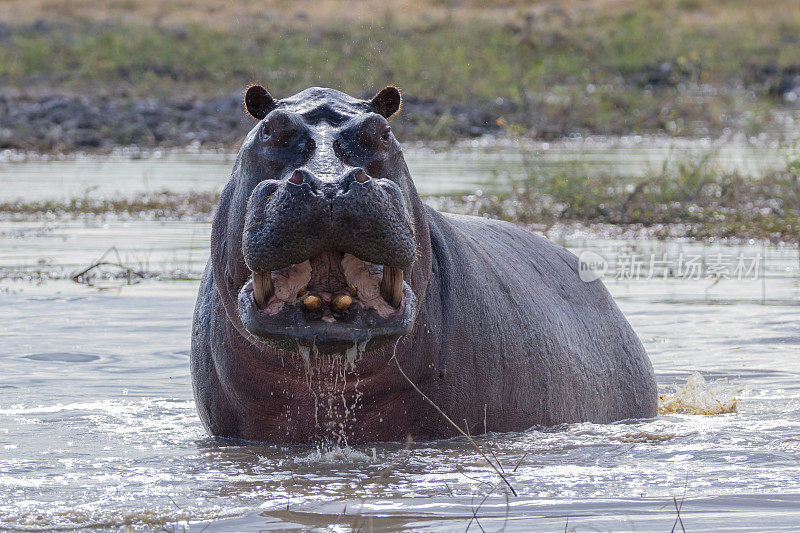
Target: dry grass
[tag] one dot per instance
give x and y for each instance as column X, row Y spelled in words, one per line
column 702, row 14
column 251, row 12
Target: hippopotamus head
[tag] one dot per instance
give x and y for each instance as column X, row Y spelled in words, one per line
column 317, row 234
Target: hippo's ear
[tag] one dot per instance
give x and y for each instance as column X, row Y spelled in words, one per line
column 258, row 101
column 387, row 102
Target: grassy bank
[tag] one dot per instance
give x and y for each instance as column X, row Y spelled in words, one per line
column 680, row 67
column 685, row 199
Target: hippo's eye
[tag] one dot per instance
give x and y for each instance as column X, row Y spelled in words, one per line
column 278, row 131
column 373, row 133
column 267, row 133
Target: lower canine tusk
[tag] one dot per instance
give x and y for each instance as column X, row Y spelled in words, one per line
column 262, row 288
column 392, row 285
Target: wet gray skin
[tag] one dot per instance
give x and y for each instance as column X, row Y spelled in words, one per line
column 323, row 252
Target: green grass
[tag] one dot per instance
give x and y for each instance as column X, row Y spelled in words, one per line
column 152, row 206
column 543, row 64
column 429, row 60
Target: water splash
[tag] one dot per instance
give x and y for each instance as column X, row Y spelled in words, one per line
column 305, row 353
column 337, row 454
column 335, row 403
column 699, row 397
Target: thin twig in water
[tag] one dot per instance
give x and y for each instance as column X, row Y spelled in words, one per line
column 474, row 444
column 491, row 450
column 175, row 503
column 524, row 455
column 80, row 277
column 476, row 480
column 489, row 444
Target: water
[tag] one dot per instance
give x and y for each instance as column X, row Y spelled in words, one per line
column 454, row 169
column 98, row 429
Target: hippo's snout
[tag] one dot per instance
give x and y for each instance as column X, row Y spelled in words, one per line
column 327, row 260
column 291, row 221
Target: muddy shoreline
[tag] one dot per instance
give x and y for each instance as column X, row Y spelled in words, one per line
column 56, row 123
column 68, row 123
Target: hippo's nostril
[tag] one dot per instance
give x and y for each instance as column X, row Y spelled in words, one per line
column 297, row 178
column 361, row 176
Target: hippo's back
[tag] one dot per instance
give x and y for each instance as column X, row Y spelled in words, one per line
column 524, row 336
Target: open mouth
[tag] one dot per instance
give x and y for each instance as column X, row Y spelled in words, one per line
column 329, row 302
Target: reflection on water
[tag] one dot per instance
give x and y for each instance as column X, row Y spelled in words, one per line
column 98, row 427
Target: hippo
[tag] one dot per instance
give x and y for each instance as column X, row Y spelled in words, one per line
column 333, row 297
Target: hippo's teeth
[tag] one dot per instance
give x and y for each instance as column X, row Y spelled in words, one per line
column 262, row 288
column 342, row 302
column 312, row 303
column 392, row 285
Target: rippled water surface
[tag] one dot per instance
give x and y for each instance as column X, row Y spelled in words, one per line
column 98, row 428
